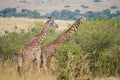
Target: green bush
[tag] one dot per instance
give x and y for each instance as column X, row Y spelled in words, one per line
column 11, row 42
column 92, row 51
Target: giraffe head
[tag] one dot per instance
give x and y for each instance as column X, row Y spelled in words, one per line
column 51, row 23
column 81, row 19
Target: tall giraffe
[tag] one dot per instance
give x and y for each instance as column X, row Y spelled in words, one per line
column 31, row 52
column 50, row 49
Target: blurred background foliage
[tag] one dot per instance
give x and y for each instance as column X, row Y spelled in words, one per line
column 63, row 14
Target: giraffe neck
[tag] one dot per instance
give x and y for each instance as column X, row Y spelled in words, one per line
column 39, row 38
column 61, row 39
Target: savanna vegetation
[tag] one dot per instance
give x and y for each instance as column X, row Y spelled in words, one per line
column 92, row 52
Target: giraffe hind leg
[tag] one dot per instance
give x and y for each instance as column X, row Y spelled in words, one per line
column 20, row 62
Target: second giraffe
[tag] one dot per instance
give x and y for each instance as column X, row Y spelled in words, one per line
column 50, row 49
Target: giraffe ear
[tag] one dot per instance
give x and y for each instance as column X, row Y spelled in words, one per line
column 81, row 16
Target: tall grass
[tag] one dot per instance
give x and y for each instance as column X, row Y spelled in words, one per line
column 8, row 71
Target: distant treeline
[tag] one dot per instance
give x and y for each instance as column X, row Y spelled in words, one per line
column 63, row 14
column 67, row 14
column 9, row 12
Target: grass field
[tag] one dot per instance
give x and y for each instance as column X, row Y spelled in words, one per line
column 8, row 24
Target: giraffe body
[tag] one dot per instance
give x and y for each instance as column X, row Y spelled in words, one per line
column 50, row 49
column 30, row 53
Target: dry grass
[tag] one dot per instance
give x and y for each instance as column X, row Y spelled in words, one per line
column 8, row 24
column 8, row 71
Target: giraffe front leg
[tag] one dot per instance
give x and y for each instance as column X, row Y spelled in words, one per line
column 44, row 61
column 36, row 66
column 25, row 66
column 47, row 62
column 37, row 62
column 45, row 66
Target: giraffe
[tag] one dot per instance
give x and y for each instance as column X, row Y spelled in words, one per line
column 31, row 52
column 50, row 49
